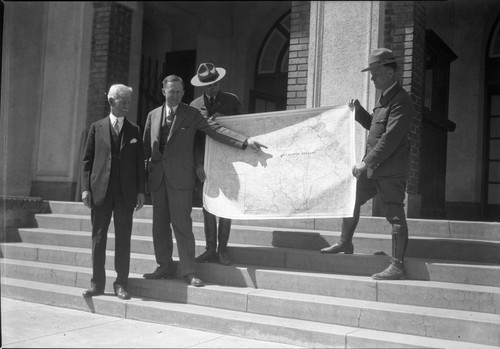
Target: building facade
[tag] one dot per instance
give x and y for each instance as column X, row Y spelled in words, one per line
column 59, row 59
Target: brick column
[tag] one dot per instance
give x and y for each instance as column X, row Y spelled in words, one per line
column 299, row 51
column 109, row 62
column 404, row 34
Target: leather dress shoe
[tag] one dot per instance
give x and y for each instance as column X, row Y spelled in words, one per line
column 207, row 256
column 192, row 280
column 395, row 271
column 223, row 258
column 347, row 248
column 93, row 291
column 121, row 292
column 160, row 274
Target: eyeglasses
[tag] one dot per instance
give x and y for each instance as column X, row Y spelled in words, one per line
column 214, row 84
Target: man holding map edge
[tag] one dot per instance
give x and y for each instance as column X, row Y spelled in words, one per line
column 384, row 168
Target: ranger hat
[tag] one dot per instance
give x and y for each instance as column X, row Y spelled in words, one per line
column 380, row 57
column 207, row 74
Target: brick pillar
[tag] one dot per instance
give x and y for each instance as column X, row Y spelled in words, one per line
column 299, row 51
column 404, row 34
column 109, row 62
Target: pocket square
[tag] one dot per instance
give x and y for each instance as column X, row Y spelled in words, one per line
column 133, row 140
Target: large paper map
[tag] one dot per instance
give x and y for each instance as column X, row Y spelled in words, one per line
column 304, row 172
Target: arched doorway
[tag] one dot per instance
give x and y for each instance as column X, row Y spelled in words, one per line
column 491, row 157
column 271, row 71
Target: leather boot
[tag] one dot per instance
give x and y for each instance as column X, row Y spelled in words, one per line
column 345, row 245
column 224, row 230
column 395, row 271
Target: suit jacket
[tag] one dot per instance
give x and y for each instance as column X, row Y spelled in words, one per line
column 177, row 160
column 388, row 149
column 224, row 104
column 97, row 162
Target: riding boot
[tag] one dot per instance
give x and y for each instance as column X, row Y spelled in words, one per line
column 224, row 230
column 345, row 244
column 210, row 226
column 396, row 269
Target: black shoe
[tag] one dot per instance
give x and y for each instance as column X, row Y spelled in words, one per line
column 192, row 280
column 347, row 248
column 223, row 258
column 207, row 256
column 93, row 291
column 160, row 273
column 121, row 292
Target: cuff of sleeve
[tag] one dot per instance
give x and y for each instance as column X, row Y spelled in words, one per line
column 245, row 144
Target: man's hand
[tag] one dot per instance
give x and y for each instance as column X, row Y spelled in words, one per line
column 354, row 104
column 87, row 199
column 358, row 169
column 200, row 172
column 141, row 199
column 254, row 145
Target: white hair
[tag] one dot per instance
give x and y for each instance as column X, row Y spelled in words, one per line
column 117, row 90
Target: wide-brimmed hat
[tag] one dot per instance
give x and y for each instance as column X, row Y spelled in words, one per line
column 207, row 74
column 380, row 57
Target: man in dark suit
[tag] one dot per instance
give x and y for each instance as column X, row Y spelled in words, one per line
column 113, row 182
column 384, row 168
column 168, row 146
column 213, row 103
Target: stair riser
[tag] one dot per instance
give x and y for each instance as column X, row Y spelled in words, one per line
column 417, row 269
column 345, row 315
column 108, row 305
column 377, row 225
column 473, row 251
column 370, row 290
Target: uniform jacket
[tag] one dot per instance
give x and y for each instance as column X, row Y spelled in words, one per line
column 388, row 148
column 177, row 160
column 96, row 167
column 225, row 104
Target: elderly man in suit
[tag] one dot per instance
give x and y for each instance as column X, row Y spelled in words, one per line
column 113, row 183
column 384, row 168
column 168, row 145
column 213, row 103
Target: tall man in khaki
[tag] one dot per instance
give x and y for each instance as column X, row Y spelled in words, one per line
column 384, row 168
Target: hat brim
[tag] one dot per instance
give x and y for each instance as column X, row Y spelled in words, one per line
column 379, row 64
column 195, row 81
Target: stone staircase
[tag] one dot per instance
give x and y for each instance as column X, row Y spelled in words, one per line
column 279, row 287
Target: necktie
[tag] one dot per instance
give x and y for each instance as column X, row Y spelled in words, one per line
column 170, row 116
column 116, row 127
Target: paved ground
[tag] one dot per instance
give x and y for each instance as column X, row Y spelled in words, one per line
column 33, row 325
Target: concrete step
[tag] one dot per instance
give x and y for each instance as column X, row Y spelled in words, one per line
column 311, row 260
column 422, row 247
column 489, row 231
column 425, row 326
column 484, row 299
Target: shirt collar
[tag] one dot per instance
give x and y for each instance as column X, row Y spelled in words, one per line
column 112, row 117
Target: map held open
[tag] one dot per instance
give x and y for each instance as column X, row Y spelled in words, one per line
column 304, row 173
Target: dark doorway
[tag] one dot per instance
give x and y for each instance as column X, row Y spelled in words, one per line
column 181, row 63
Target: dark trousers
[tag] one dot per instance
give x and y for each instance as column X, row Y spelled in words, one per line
column 211, row 230
column 391, row 192
column 173, row 206
column 101, row 216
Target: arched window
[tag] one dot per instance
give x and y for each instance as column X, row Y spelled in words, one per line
column 271, row 73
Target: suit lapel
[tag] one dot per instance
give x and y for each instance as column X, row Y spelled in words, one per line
column 178, row 120
column 126, row 134
column 104, row 128
column 156, row 125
